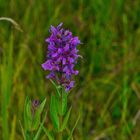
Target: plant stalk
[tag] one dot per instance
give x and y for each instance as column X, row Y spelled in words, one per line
column 60, row 119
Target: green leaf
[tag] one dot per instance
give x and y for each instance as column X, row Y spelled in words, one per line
column 70, row 136
column 56, row 87
column 48, row 133
column 22, row 130
column 27, row 115
column 64, row 103
column 54, row 112
column 36, row 119
column 57, row 103
column 40, row 128
column 64, row 124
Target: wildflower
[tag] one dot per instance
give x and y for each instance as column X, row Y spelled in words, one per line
column 35, row 104
column 62, row 56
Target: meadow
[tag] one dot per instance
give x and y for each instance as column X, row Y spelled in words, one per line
column 107, row 90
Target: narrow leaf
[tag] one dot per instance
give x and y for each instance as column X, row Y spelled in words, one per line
column 56, row 87
column 27, row 115
column 36, row 120
column 13, row 132
column 48, row 133
column 54, row 113
column 22, row 130
column 64, row 103
column 70, row 136
column 57, row 103
column 40, row 128
column 13, row 22
column 64, row 124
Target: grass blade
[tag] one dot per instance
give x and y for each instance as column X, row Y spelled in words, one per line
column 40, row 128
column 12, row 136
column 54, row 113
column 47, row 133
column 36, row 120
column 64, row 124
column 23, row 133
column 6, row 86
column 64, row 102
column 11, row 21
column 70, row 136
column 56, row 87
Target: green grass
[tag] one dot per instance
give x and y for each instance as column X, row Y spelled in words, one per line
column 107, row 92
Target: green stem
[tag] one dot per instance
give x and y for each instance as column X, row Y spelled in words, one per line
column 60, row 132
column 60, row 119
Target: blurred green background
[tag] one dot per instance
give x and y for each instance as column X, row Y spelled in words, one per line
column 107, row 91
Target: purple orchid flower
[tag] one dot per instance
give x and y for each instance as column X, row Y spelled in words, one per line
column 62, row 56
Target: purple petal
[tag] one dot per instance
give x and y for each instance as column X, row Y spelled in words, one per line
column 71, row 60
column 59, row 26
column 74, row 51
column 64, row 61
column 47, row 65
column 75, row 41
column 72, row 84
column 60, row 51
column 66, row 48
column 51, row 47
column 50, row 76
column 47, row 40
column 53, row 29
column 55, row 54
column 65, row 68
column 76, row 72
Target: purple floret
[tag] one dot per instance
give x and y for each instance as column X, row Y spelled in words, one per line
column 62, row 56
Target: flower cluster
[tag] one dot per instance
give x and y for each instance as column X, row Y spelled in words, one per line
column 62, row 56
